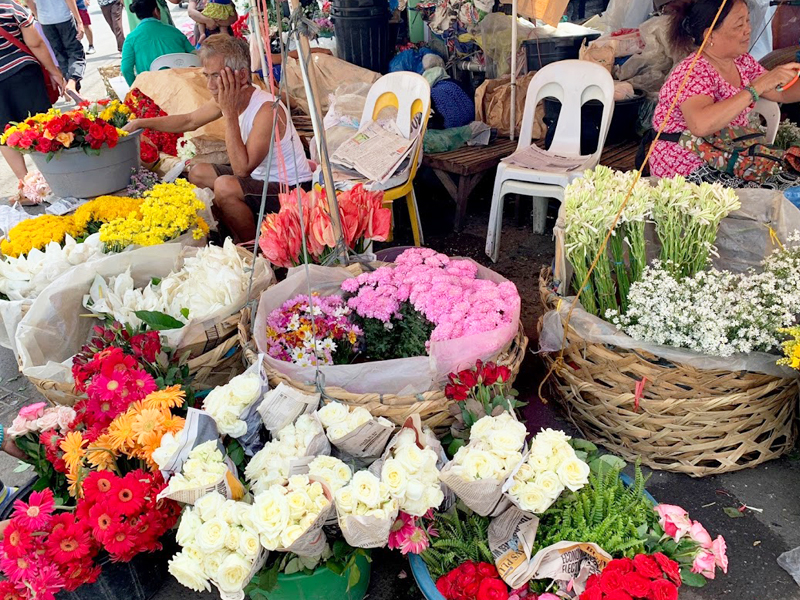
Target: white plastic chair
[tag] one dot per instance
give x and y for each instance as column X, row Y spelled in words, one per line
column 410, row 94
column 573, row 83
column 771, row 112
column 177, row 60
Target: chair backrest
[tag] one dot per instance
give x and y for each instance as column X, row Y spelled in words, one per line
column 772, row 115
column 410, row 94
column 573, row 83
column 177, row 60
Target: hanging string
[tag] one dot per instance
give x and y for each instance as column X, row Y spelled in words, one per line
column 602, row 251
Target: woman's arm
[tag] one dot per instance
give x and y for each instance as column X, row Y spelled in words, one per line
column 36, row 44
column 786, row 72
column 178, row 123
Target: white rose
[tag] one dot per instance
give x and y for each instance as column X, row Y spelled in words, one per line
column 550, row 483
column 322, row 463
column 187, row 530
column 332, row 413
column 560, row 454
column 212, row 562
column 574, row 473
column 212, row 534
column 66, row 416
column 197, row 555
column 249, row 544
column 315, row 490
column 481, row 428
column 299, row 503
column 434, row 497
column 271, row 512
column 168, row 447
column 290, row 535
column 233, row 573
column 345, row 502
column 410, row 458
column 415, row 490
column 244, row 515
column 343, row 474
column 504, row 443
column 377, row 513
column 405, row 438
column 358, row 417
column 298, row 481
column 552, row 436
column 538, row 461
column 234, row 538
column 338, row 431
column 188, row 573
column 209, row 505
column 320, row 502
column 366, row 489
column 49, row 420
column 479, row 464
column 525, row 472
column 394, row 475
column 245, row 387
column 307, row 521
column 533, row 499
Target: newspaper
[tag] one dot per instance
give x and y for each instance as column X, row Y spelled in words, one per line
column 367, row 532
column 511, row 537
column 318, row 446
column 199, row 428
column 258, row 564
column 284, row 404
column 312, row 541
column 366, row 441
column 228, row 486
column 534, row 157
column 375, row 151
column 251, row 441
column 485, row 496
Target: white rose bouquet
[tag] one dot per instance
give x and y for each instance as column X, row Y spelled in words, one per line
column 205, row 470
column 290, row 518
column 550, row 467
column 332, row 471
column 366, row 510
column 220, row 545
column 228, row 403
column 355, row 431
column 271, row 465
column 478, row 470
column 411, row 475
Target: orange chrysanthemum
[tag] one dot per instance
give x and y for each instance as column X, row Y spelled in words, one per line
column 170, row 397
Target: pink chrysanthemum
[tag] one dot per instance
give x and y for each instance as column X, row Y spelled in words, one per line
column 36, row 514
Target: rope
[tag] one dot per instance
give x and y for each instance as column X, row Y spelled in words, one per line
column 601, row 252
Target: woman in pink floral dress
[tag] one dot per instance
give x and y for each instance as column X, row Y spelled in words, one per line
column 721, row 90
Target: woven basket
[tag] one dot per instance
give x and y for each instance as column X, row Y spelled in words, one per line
column 694, row 421
column 108, row 73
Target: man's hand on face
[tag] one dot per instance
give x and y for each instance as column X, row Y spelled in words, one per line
column 230, row 92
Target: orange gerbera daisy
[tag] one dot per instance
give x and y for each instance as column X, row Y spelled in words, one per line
column 100, row 454
column 74, row 480
column 170, row 397
column 146, row 425
column 73, row 447
column 173, row 424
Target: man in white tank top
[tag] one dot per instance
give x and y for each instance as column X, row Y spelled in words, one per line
column 246, row 110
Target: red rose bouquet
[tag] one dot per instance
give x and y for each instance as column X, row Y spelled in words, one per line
column 644, row 577
column 473, row 581
column 143, row 107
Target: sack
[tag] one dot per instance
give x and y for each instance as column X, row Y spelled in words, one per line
column 53, row 94
column 493, row 105
column 738, row 151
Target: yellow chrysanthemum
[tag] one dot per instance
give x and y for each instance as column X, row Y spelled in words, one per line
column 37, row 233
column 170, row 397
column 105, row 209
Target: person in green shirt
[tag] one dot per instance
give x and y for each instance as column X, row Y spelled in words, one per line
column 165, row 16
column 149, row 40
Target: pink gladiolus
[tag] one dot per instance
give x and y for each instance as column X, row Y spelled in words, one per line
column 705, row 564
column 32, row 411
column 718, row 547
column 674, row 520
column 699, row 534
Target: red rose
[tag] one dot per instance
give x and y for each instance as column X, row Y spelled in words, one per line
column 445, row 586
column 593, row 593
column 70, row 125
column 636, row 585
column 670, row 568
column 618, row 595
column 493, row 589
column 26, row 141
column 44, row 145
column 471, row 591
column 647, row 566
column 95, row 144
column 486, row 570
column 96, row 131
column 468, row 378
column 611, row 581
column 661, row 589
column 55, row 126
column 623, row 565
column 464, row 579
column 453, row 392
column 592, row 581
column 84, row 123
column 14, row 139
column 489, row 373
column 468, row 568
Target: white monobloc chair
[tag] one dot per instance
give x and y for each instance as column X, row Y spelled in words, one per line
column 176, row 60
column 573, row 83
column 771, row 112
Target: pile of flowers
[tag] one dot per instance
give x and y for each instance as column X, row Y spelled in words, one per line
column 34, row 187
column 411, row 475
column 226, row 403
column 471, row 581
column 38, row 417
column 642, row 577
column 551, row 466
column 339, row 420
column 141, row 106
column 493, row 450
column 213, row 278
column 303, row 323
column 53, row 131
column 332, row 471
column 362, row 215
column 690, row 544
column 37, row 233
column 167, row 211
column 284, row 513
column 91, row 216
column 142, row 180
column 365, row 496
column 272, row 464
column 219, row 545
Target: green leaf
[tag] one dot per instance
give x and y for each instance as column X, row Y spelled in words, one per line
column 155, row 281
column 236, row 452
column 454, row 446
column 293, row 566
column 584, row 445
column 353, row 577
column 335, row 566
column 692, row 579
column 340, row 549
column 158, row 321
column 185, row 313
column 733, row 512
column 40, row 484
column 22, row 467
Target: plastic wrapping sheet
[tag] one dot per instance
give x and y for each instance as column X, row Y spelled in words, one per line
column 400, row 376
column 648, row 70
column 745, row 238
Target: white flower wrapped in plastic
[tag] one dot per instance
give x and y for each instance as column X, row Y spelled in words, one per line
column 226, row 403
column 285, row 515
column 270, row 466
column 366, row 510
column 411, row 475
column 220, row 545
column 550, row 467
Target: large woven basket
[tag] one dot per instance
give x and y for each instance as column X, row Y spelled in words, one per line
column 107, row 73
column 694, row 421
column 433, row 407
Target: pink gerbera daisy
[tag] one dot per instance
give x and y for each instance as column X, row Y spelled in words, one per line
column 402, row 527
column 36, row 514
column 415, row 543
column 18, row 569
column 140, row 383
column 107, row 387
column 45, row 583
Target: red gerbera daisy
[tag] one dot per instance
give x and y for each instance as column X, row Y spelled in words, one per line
column 16, row 540
column 68, row 544
column 105, row 387
column 36, row 514
column 101, row 520
column 141, row 383
column 17, row 569
column 9, row 592
column 99, row 486
column 121, row 540
column 128, row 497
column 77, row 575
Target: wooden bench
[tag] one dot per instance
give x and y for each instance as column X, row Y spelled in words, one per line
column 461, row 170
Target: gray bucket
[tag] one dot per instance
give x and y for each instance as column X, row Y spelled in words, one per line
column 74, row 174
